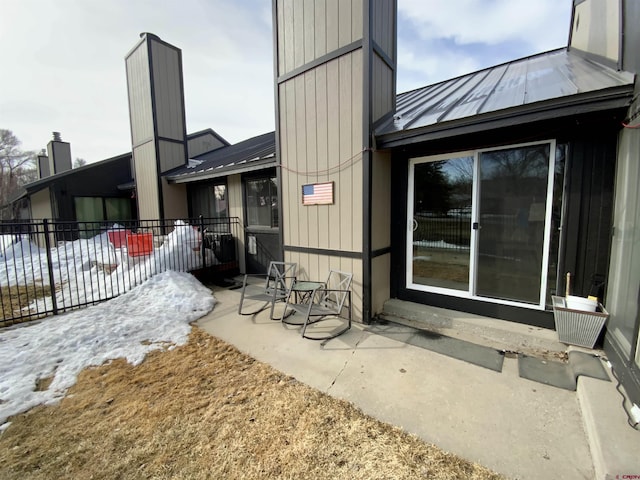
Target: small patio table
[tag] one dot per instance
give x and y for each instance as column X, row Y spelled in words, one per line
column 303, row 292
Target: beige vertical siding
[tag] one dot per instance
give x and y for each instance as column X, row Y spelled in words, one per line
column 168, row 92
column 313, row 28
column 144, row 162
column 380, row 275
column 234, row 197
column 41, row 208
column 596, row 28
column 380, row 229
column 381, row 200
column 174, row 197
column 170, row 155
column 41, row 205
column 321, row 141
column 139, row 82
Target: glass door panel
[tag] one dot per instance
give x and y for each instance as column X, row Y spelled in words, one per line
column 513, row 186
column 442, row 202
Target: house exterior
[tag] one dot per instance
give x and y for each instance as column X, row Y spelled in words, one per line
column 477, row 194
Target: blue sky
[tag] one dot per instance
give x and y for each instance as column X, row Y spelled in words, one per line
column 63, row 60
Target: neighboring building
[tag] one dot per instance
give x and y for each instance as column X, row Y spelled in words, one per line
column 476, row 194
column 95, row 192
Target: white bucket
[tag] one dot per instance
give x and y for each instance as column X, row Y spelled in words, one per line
column 581, row 303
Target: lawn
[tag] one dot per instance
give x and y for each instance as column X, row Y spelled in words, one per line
column 206, row 410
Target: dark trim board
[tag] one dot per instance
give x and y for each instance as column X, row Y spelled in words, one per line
column 318, row 61
column 380, row 252
column 536, row 318
column 323, row 251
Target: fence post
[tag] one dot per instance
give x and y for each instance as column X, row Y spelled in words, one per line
column 202, row 247
column 52, row 284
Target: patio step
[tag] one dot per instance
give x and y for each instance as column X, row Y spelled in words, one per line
column 499, row 334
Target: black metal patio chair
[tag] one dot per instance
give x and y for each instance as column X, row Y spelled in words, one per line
column 275, row 287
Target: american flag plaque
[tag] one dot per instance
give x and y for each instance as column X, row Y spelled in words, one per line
column 317, row 194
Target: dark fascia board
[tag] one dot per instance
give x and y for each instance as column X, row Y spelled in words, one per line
column 614, row 98
column 20, row 194
column 44, row 182
column 223, row 172
column 207, row 131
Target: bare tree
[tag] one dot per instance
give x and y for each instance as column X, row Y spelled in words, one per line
column 79, row 162
column 17, row 167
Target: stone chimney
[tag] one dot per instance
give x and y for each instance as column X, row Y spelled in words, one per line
column 59, row 154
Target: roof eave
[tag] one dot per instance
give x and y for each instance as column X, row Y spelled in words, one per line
column 221, row 172
column 610, row 99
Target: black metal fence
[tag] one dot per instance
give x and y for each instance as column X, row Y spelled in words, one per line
column 49, row 267
column 452, row 231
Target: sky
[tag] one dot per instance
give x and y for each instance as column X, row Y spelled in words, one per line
column 63, row 64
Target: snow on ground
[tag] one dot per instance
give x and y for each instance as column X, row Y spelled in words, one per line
column 145, row 318
column 439, row 244
column 5, row 241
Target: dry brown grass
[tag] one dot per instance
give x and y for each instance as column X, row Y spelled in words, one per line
column 13, row 299
column 205, row 410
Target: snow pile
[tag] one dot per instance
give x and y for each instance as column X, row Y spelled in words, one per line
column 154, row 313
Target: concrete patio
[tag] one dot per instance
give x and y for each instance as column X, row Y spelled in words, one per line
column 517, row 427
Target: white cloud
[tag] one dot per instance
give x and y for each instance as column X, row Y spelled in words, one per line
column 543, row 24
column 431, row 66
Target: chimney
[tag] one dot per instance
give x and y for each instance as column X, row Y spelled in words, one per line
column 596, row 30
column 43, row 164
column 158, row 128
column 59, row 155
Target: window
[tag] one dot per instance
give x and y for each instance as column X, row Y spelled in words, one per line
column 262, row 202
column 208, row 200
column 100, row 209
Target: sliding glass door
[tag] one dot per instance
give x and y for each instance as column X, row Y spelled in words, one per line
column 442, row 222
column 479, row 223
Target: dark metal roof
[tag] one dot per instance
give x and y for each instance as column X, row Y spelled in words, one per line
column 41, row 183
column 544, row 82
column 252, row 154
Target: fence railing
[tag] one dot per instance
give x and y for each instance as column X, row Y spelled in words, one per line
column 49, row 267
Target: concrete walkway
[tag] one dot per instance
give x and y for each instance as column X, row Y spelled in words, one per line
column 517, row 427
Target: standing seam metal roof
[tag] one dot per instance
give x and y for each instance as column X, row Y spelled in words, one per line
column 258, row 150
column 552, row 75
